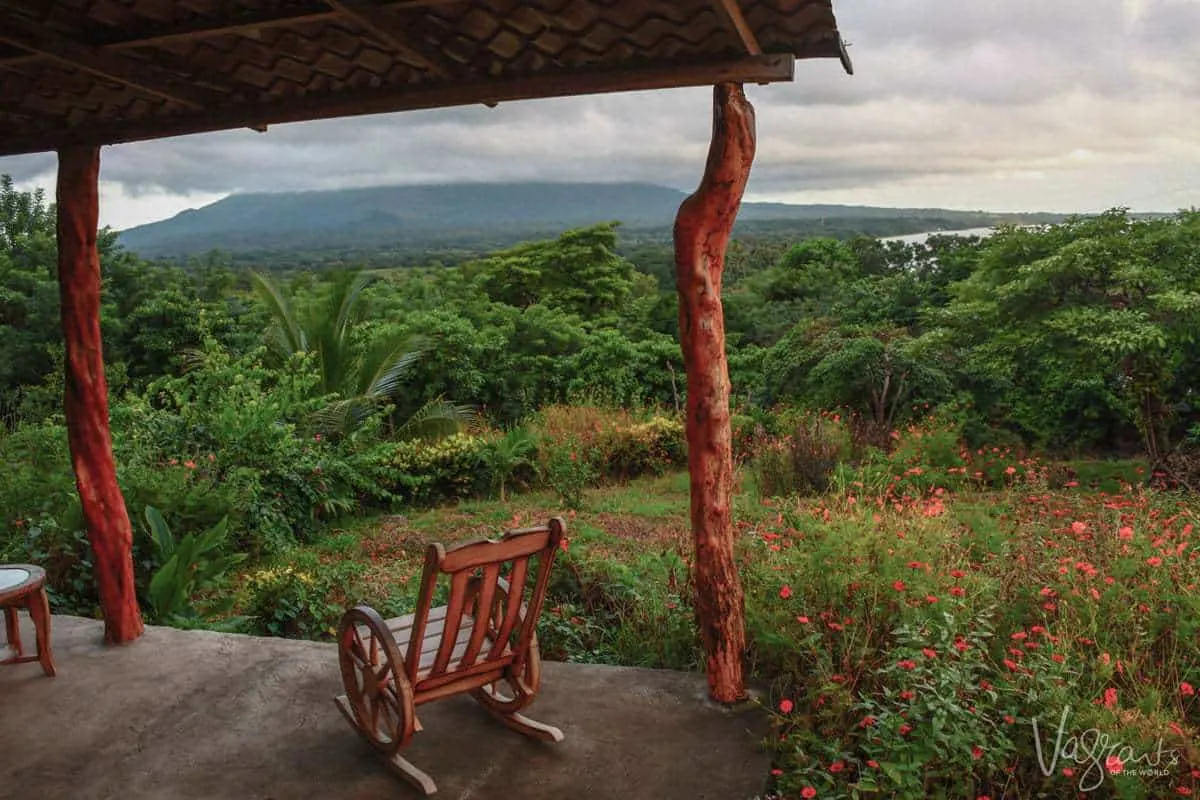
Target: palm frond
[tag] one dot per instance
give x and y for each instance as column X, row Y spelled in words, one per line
column 290, row 334
column 347, row 292
column 384, row 367
column 439, row 418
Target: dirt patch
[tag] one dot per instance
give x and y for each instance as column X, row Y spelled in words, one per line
column 640, row 529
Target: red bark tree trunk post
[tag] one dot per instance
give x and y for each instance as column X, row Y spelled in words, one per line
column 86, row 399
column 702, row 230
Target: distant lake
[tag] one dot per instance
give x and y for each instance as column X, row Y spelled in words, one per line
column 917, row 238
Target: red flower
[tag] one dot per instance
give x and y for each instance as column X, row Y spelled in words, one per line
column 777, row 772
column 1114, row 765
column 929, row 652
column 1154, row 561
column 976, row 752
column 1183, row 791
column 803, row 620
column 898, row 586
column 837, row 766
column 958, row 591
column 907, row 663
column 1068, row 772
column 1125, row 533
column 872, row 763
column 1187, row 690
column 905, row 728
column 1110, row 697
column 785, row 706
column 958, row 573
column 785, row 592
column 867, row 722
column 907, row 695
column 808, row 793
column 930, row 599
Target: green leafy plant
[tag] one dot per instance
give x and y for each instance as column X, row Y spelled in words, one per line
column 188, row 566
column 507, row 454
column 567, row 471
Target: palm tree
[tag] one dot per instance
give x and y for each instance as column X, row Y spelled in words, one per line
column 361, row 378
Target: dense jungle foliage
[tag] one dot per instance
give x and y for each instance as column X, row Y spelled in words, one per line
column 932, row 553
column 283, row 402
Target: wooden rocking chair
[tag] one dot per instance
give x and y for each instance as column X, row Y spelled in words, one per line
column 483, row 641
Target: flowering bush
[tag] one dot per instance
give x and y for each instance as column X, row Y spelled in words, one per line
column 915, row 641
column 453, row 467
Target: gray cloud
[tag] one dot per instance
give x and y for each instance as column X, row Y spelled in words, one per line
column 1069, row 104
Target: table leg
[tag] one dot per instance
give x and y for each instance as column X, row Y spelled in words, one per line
column 39, row 610
column 12, row 630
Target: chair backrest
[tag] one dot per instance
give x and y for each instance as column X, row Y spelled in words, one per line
column 499, row 585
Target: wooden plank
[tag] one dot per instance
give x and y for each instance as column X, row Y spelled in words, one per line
column 134, row 74
column 731, row 12
column 514, row 610
column 759, row 69
column 483, row 613
column 514, row 544
column 387, row 30
column 454, row 615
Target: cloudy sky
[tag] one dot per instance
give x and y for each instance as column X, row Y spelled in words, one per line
column 1057, row 105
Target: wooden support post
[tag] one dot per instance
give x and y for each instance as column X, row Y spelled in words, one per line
column 86, row 400
column 702, row 230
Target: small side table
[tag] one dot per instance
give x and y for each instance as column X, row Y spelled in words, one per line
column 24, row 586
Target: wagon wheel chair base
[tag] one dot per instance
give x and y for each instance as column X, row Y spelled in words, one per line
column 482, row 643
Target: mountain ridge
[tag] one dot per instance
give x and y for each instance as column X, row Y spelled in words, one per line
column 436, row 214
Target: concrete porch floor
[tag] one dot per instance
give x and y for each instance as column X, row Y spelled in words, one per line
column 197, row 714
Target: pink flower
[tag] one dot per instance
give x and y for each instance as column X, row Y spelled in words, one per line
column 1078, row 527
column 1125, row 533
column 803, row 620
column 905, row 728
column 837, row 766
column 785, row 706
column 907, row 663
column 1110, row 697
column 808, row 793
column 898, row 586
column 1154, row 561
column 785, row 592
column 1187, row 690
column 1114, row 765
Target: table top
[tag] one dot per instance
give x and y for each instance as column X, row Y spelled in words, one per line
column 18, row 579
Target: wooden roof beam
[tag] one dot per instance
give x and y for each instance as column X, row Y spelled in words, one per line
column 731, row 12
column 136, row 75
column 762, row 69
column 247, row 24
column 379, row 24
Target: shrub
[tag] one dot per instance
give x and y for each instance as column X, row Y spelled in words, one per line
column 301, row 597
column 565, row 469
column 450, row 468
column 802, row 463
